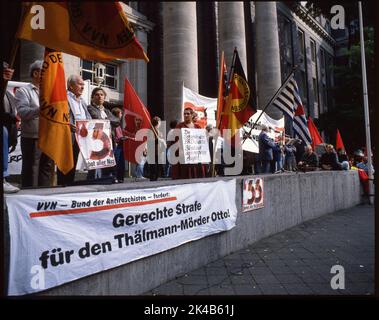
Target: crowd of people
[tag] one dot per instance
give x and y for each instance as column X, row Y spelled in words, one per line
column 37, row 168
column 278, row 157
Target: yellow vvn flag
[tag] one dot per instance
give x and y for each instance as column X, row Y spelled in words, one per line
column 89, row 30
column 54, row 137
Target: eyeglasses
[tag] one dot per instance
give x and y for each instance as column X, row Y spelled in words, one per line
column 186, row 114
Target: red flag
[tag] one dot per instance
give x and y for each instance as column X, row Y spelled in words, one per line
column 136, row 117
column 363, row 177
column 339, row 142
column 221, row 89
column 315, row 135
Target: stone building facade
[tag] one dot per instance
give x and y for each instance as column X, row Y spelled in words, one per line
column 184, row 41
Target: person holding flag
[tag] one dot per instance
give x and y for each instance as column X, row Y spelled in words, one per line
column 137, row 117
column 27, row 105
column 237, row 107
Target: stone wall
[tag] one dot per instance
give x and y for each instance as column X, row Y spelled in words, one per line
column 290, row 199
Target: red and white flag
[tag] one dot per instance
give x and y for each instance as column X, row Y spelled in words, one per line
column 204, row 107
column 300, row 126
column 136, row 117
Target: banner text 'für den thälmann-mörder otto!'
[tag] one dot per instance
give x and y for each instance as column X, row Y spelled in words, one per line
column 57, row 239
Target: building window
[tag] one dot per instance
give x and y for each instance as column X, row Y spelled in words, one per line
column 303, row 88
column 111, row 73
column 324, row 97
column 329, row 79
column 285, row 39
column 313, row 51
column 303, row 85
column 300, row 39
column 322, row 58
column 327, row 26
column 323, row 79
column 316, row 97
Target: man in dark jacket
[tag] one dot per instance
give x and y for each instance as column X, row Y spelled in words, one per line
column 266, row 146
column 8, row 119
column 329, row 160
column 97, row 111
column 309, row 160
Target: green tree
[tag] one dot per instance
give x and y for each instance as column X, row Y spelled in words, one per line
column 348, row 114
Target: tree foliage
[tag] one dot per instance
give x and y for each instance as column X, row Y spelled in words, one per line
column 316, row 8
column 348, row 114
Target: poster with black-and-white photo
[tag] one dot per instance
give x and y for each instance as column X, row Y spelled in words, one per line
column 253, row 194
column 95, row 143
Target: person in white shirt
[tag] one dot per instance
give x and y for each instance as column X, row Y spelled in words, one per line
column 27, row 104
column 78, row 111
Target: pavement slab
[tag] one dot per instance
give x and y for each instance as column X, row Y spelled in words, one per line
column 297, row 261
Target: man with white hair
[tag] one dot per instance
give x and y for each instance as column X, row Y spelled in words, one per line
column 27, row 104
column 78, row 111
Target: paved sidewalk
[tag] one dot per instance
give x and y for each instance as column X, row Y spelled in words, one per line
column 297, row 261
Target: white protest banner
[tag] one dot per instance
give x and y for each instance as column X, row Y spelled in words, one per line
column 194, row 146
column 15, row 158
column 95, row 143
column 61, row 238
column 276, row 130
column 253, row 194
column 12, row 86
column 205, row 107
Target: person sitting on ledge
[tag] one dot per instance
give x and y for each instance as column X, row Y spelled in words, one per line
column 329, row 160
column 309, row 160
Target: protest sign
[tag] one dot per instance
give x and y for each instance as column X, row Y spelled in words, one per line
column 253, row 194
column 95, row 143
column 15, row 158
column 194, row 144
column 61, row 238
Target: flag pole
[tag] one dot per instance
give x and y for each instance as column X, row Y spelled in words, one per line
column 14, row 49
column 221, row 113
column 230, row 75
column 366, row 109
column 271, row 100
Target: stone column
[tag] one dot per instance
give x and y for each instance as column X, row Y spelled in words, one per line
column 231, row 31
column 180, row 62
column 29, row 52
column 268, row 55
column 139, row 73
